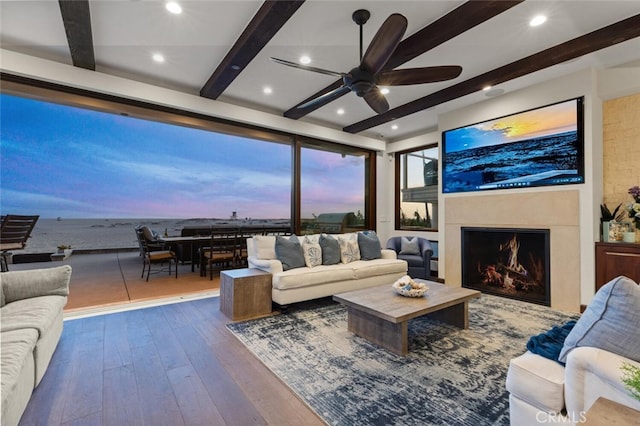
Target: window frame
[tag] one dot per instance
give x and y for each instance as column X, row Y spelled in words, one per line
column 399, row 180
column 83, row 98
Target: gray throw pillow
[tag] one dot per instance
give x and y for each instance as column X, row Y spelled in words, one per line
column 330, row 250
column 409, row 246
column 369, row 245
column 610, row 322
column 289, row 252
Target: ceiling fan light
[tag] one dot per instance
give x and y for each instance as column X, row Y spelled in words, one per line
column 173, row 7
column 537, row 20
column 305, row 60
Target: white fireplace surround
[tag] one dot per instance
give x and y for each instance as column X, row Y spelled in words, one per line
column 553, row 210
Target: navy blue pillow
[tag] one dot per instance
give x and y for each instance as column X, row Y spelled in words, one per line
column 330, row 250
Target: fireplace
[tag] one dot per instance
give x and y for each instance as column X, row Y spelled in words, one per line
column 512, row 263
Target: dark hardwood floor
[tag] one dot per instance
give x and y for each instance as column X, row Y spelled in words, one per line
column 174, row 364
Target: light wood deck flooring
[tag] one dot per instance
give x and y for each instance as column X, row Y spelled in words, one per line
column 112, row 280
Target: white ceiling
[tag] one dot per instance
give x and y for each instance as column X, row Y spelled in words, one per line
column 127, row 33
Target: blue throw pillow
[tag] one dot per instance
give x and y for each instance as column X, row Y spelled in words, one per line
column 289, row 252
column 330, row 250
column 610, row 322
column 369, row 245
column 409, row 246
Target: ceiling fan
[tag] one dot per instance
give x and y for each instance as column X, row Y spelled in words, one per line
column 365, row 79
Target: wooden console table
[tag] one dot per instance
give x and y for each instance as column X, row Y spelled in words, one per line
column 615, row 259
column 245, row 293
column 605, row 412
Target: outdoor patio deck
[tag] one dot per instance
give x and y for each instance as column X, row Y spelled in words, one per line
column 111, row 281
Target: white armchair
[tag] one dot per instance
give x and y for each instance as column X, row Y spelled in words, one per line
column 542, row 391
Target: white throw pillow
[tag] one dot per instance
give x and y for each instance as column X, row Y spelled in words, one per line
column 312, row 254
column 349, row 249
column 312, row 238
column 265, row 246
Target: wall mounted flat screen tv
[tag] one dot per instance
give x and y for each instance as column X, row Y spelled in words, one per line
column 539, row 147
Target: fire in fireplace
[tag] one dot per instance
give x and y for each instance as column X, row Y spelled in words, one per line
column 507, row 262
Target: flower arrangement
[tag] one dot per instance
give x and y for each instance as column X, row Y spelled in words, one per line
column 634, row 208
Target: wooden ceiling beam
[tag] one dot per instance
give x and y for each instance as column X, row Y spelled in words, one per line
column 454, row 23
column 271, row 16
column 619, row 32
column 77, row 25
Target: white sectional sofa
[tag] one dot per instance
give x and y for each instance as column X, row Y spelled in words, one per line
column 544, row 392
column 607, row 336
column 31, row 321
column 307, row 283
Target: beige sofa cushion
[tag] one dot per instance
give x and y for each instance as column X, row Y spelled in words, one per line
column 538, row 381
column 19, row 285
column 303, row 277
column 37, row 313
column 17, row 347
column 265, row 246
column 372, row 268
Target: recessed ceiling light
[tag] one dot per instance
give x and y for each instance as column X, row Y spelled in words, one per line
column 394, row 127
column 485, row 88
column 537, row 20
column 305, row 60
column 384, row 90
column 267, row 90
column 173, row 7
column 340, row 111
column 158, row 57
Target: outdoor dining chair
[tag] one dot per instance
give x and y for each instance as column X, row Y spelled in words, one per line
column 221, row 252
column 154, row 253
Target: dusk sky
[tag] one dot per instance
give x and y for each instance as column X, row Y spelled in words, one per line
column 60, row 161
column 558, row 118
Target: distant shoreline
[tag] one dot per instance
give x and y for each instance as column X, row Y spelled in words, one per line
column 116, row 233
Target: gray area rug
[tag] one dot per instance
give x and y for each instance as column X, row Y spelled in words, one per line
column 450, row 377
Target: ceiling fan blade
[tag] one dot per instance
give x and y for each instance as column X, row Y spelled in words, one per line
column 408, row 76
column 326, row 98
column 384, row 43
column 307, row 68
column 376, row 100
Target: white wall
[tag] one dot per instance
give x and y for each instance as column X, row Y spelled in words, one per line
column 386, row 186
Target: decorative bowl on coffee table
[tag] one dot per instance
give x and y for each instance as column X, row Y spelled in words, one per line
column 407, row 287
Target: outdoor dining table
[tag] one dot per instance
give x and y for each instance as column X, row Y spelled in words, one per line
column 190, row 241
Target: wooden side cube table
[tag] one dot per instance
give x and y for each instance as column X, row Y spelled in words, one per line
column 245, row 293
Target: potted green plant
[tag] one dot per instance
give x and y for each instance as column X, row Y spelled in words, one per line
column 631, row 379
column 63, row 247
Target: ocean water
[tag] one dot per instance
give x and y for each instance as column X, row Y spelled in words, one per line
column 93, row 234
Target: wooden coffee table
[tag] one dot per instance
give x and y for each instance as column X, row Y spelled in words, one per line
column 381, row 315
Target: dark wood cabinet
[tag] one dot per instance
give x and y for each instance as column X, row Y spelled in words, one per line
column 614, row 259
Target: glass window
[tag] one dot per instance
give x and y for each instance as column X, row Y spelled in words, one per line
column 417, row 186
column 332, row 189
column 70, row 154
column 62, row 162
